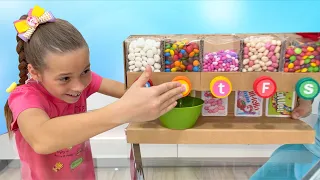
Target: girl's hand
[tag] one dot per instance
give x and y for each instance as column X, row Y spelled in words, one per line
column 304, row 109
column 145, row 104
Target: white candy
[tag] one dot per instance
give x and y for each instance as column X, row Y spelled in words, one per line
column 131, row 67
column 138, row 64
column 143, row 52
column 131, row 56
column 144, row 63
column 149, row 53
column 137, row 50
column 138, row 59
column 144, row 58
column 157, row 66
column 156, row 58
column 150, row 61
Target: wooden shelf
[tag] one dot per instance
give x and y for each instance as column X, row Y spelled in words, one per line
column 240, row 81
column 162, row 77
column 225, row 130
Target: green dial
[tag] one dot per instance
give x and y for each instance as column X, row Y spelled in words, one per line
column 307, row 88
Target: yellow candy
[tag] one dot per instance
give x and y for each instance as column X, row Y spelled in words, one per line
column 11, row 87
column 297, row 71
column 291, row 65
column 304, row 70
column 174, row 46
column 167, row 50
column 305, row 57
column 171, row 52
column 173, row 70
column 310, row 49
column 313, row 64
column 181, row 46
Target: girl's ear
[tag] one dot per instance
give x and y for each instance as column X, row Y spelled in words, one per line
column 34, row 73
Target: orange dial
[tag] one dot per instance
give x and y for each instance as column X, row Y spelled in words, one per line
column 184, row 82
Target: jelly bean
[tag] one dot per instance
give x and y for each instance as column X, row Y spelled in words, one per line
column 182, row 53
column 258, row 51
column 222, row 61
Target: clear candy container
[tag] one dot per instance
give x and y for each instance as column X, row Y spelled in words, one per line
column 221, row 53
column 142, row 51
column 182, row 53
column 261, row 53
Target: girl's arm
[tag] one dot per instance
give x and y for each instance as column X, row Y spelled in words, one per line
column 47, row 135
column 112, row 88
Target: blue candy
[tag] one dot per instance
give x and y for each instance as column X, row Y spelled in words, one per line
column 183, row 51
column 167, row 70
column 167, row 54
column 195, row 69
column 167, row 62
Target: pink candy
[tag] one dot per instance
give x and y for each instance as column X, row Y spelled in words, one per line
column 221, row 61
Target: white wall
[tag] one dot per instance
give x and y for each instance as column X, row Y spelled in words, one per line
column 112, row 144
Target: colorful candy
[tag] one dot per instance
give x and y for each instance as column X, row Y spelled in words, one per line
column 261, row 54
column 214, row 106
column 181, row 56
column 142, row 53
column 302, row 58
column 221, row 61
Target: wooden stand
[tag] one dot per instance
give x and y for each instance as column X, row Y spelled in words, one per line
column 222, row 130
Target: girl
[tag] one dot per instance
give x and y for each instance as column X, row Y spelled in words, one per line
column 47, row 112
column 292, row 161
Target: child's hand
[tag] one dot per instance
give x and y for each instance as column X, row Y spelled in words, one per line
column 145, row 104
column 303, row 109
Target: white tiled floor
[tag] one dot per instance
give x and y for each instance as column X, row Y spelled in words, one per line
column 181, row 173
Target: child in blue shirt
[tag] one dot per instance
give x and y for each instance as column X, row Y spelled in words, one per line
column 293, row 161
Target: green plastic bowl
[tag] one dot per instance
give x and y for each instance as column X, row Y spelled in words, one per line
column 184, row 115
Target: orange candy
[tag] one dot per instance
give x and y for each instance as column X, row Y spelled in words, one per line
column 196, row 63
column 286, row 69
column 196, row 50
column 182, row 66
column 191, row 54
column 177, row 63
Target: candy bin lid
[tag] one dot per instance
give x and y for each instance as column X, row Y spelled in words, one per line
column 185, row 82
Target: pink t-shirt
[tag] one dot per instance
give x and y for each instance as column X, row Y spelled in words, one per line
column 74, row 163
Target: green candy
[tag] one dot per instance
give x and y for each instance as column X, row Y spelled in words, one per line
column 306, row 61
column 292, row 58
column 298, row 50
column 318, row 43
column 168, row 47
column 196, row 54
column 310, row 69
column 311, row 57
column 315, row 69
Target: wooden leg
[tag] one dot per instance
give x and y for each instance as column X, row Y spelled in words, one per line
column 136, row 163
